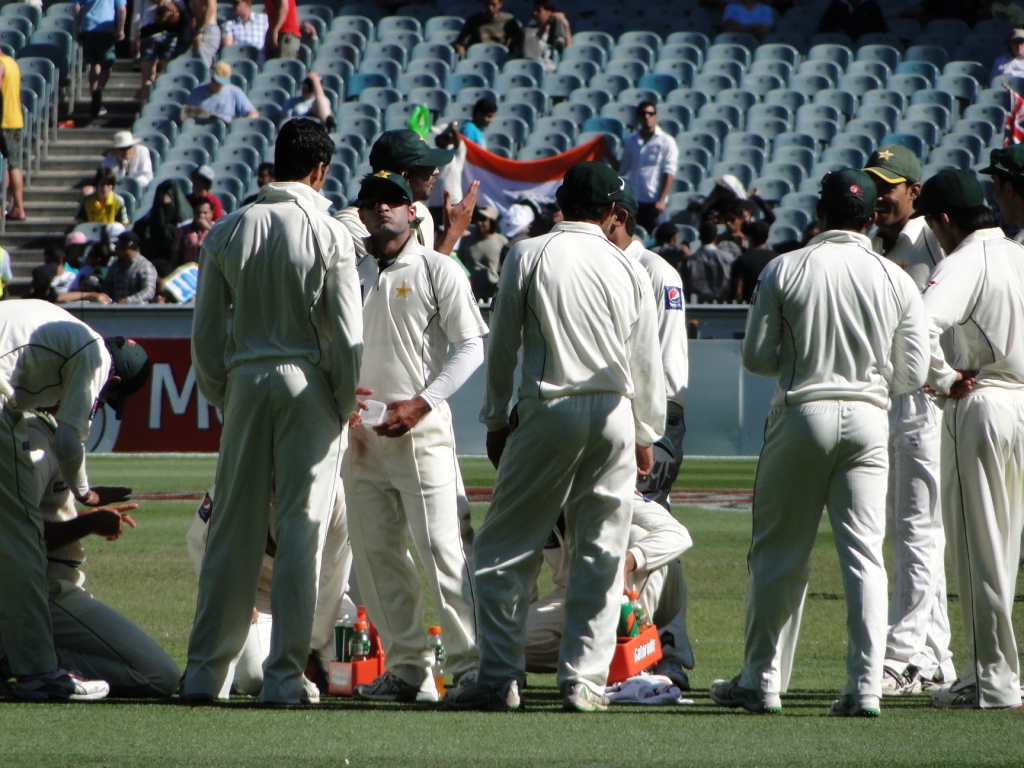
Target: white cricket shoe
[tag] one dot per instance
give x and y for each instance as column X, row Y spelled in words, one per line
column 61, row 685
column 903, row 683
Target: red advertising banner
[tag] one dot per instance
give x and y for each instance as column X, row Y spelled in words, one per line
column 167, row 415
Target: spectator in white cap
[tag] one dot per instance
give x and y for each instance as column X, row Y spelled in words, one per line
column 1011, row 62
column 202, row 180
column 219, row 97
column 127, row 157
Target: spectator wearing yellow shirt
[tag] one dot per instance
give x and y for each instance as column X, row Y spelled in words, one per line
column 103, row 205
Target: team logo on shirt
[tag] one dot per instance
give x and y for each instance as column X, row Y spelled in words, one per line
column 206, row 508
column 673, row 297
column 402, row 291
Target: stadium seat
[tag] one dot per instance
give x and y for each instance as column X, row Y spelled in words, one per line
column 713, row 125
column 576, row 112
column 840, row 54
column 924, row 69
column 853, row 157
column 810, row 84
column 606, row 125
column 689, row 98
column 742, row 171
column 970, row 142
column 700, row 139
column 682, row 52
column 877, row 69
column 824, row 67
column 597, row 38
column 798, row 155
column 732, row 69
column 381, row 96
column 709, row 84
column 911, row 141
column 662, row 82
column 488, row 70
column 635, row 96
column 730, row 113
column 439, row 68
column 508, row 80
column 886, row 96
column 964, row 88
column 886, row 113
column 650, row 39
column 580, row 68
column 934, row 54
column 844, row 101
column 867, row 126
column 439, row 28
column 697, row 155
column 772, row 188
column 780, row 69
column 777, row 52
column 632, row 52
column 957, row 157
column 593, row 97
column 887, row 54
column 582, row 52
column 612, row 83
column 698, row 39
column 858, row 85
column 492, row 52
column 792, row 172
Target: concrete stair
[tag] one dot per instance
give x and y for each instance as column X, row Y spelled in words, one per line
column 53, row 193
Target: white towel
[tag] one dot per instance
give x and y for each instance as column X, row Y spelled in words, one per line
column 645, row 689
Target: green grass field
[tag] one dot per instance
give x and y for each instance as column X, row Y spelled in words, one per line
column 147, row 575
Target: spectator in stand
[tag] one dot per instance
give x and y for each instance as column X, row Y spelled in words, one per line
column 219, row 98
column 131, row 277
column 853, row 18
column 490, row 25
column 264, row 175
column 284, row 33
column 206, row 31
column 310, row 102
column 548, row 36
column 747, row 268
column 189, row 237
column 157, row 228
column 750, row 16
column 99, row 24
column 649, row 160
column 103, row 205
column 449, row 177
column 88, row 284
column 1005, row 10
column 481, row 252
column 246, row 27
column 157, row 29
column 707, row 271
column 127, row 157
column 926, row 10
column 483, row 115
column 11, row 126
column 737, row 215
column 76, row 244
column 1012, row 62
column 667, row 244
column 202, row 181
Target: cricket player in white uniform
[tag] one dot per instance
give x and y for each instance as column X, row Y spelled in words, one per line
column 276, row 344
column 677, row 653
column 405, row 152
column 656, row 540
column 591, row 405
column 978, row 292
column 917, row 651
column 335, row 566
column 841, row 328
column 48, row 357
column 91, row 637
column 401, row 475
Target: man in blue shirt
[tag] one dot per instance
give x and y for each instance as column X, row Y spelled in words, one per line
column 99, row 24
column 219, row 97
column 483, row 113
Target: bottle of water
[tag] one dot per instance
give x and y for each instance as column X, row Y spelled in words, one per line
column 435, row 644
column 643, row 620
column 342, row 635
column 359, row 645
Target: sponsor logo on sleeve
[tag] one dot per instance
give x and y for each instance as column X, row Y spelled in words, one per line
column 673, row 297
column 206, row 508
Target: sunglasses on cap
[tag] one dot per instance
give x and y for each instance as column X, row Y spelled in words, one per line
column 391, row 201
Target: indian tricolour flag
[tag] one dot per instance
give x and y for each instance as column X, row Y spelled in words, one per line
column 504, row 181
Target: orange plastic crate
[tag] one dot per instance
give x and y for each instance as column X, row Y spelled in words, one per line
column 634, row 654
column 344, row 676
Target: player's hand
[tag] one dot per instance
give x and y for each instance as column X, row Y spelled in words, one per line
column 496, row 444
column 404, row 415
column 629, row 565
column 271, row 41
column 356, row 419
column 101, row 496
column 964, row 383
column 109, row 522
column 455, row 218
column 644, row 461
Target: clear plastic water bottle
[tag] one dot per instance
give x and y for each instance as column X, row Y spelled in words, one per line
column 643, row 619
column 435, row 644
column 359, row 645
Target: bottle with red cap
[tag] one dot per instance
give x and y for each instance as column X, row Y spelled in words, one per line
column 434, row 639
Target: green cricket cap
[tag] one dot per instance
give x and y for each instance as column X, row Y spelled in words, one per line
column 591, row 183
column 402, row 150
column 629, row 199
column 384, row 183
column 949, row 190
column 849, row 184
column 131, row 364
column 1007, row 162
column 895, row 164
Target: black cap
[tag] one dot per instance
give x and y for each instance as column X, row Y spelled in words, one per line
column 130, row 238
column 591, row 183
column 402, row 150
column 949, row 190
column 849, row 184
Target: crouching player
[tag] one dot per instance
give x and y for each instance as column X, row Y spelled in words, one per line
column 656, row 540
column 91, row 638
column 246, row 675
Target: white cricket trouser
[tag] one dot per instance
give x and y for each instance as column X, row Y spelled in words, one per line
column 575, row 453
column 335, row 568
column 827, row 454
column 662, row 593
column 918, row 620
column 282, row 432
column 983, row 494
column 25, row 624
column 101, row 644
column 248, row 669
column 397, row 486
